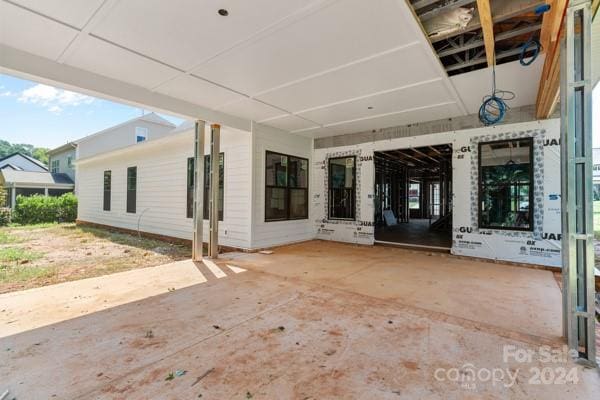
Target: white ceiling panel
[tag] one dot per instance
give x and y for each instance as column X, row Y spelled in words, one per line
column 32, row 33
column 403, row 118
column 340, row 33
column 197, row 91
column 407, row 98
column 523, row 81
column 290, row 123
column 251, row 109
column 105, row 59
column 374, row 75
column 73, row 12
column 184, row 32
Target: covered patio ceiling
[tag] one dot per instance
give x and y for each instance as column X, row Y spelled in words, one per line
column 313, row 67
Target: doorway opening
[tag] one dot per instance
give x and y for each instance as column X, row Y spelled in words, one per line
column 413, row 196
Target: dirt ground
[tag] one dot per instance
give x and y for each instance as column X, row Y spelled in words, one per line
column 311, row 321
column 33, row 256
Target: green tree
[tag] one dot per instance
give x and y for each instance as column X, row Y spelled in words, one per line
column 41, row 154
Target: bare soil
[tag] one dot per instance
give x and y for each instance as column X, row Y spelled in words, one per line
column 65, row 252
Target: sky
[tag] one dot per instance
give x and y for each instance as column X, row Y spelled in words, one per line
column 45, row 116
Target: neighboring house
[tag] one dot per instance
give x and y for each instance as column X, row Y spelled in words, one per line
column 26, row 176
column 596, row 173
column 61, row 160
column 22, row 162
column 146, row 127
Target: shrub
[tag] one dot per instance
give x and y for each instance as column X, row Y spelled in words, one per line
column 5, row 216
column 39, row 209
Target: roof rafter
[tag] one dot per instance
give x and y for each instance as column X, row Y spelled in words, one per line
column 487, row 26
column 550, row 80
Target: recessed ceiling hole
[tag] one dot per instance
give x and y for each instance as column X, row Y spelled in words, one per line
column 223, row 12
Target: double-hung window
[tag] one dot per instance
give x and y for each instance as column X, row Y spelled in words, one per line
column 506, row 184
column 342, row 188
column 286, row 187
column 206, row 189
column 55, row 166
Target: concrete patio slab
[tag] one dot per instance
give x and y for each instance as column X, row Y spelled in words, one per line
column 264, row 335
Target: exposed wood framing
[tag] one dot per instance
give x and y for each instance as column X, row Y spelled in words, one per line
column 502, row 10
column 549, row 87
column 487, row 26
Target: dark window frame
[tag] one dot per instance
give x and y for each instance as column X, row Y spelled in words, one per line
column 106, row 198
column 131, row 205
column 190, row 188
column 480, row 187
column 288, row 189
column 329, row 189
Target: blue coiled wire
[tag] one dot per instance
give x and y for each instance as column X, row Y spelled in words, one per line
column 493, row 107
column 531, row 45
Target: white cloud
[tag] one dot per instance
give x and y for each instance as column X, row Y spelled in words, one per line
column 55, row 109
column 52, row 98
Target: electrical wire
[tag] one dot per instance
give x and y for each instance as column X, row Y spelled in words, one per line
column 531, row 45
column 493, row 107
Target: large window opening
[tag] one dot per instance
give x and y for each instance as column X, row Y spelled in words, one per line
column 131, row 189
column 505, row 184
column 413, row 192
column 286, row 187
column 342, row 188
column 206, row 189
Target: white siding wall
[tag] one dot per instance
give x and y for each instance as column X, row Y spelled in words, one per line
column 119, row 137
column 162, row 187
column 266, row 234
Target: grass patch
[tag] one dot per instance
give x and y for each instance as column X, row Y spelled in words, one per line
column 16, row 255
column 24, row 273
column 7, row 238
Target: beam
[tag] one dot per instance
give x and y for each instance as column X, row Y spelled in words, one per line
column 481, row 60
column 32, row 67
column 417, row 5
column 497, row 38
column 487, row 26
column 504, row 10
column 443, row 9
column 548, row 90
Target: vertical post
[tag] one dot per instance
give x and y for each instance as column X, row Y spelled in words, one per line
column 213, row 214
column 198, row 191
column 13, row 195
column 578, row 235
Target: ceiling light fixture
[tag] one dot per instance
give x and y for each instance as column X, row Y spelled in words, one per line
column 223, row 12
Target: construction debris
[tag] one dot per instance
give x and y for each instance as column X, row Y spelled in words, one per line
column 266, row 252
column 204, row 375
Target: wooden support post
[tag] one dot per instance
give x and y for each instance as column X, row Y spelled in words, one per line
column 213, row 214
column 487, row 26
column 198, row 239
